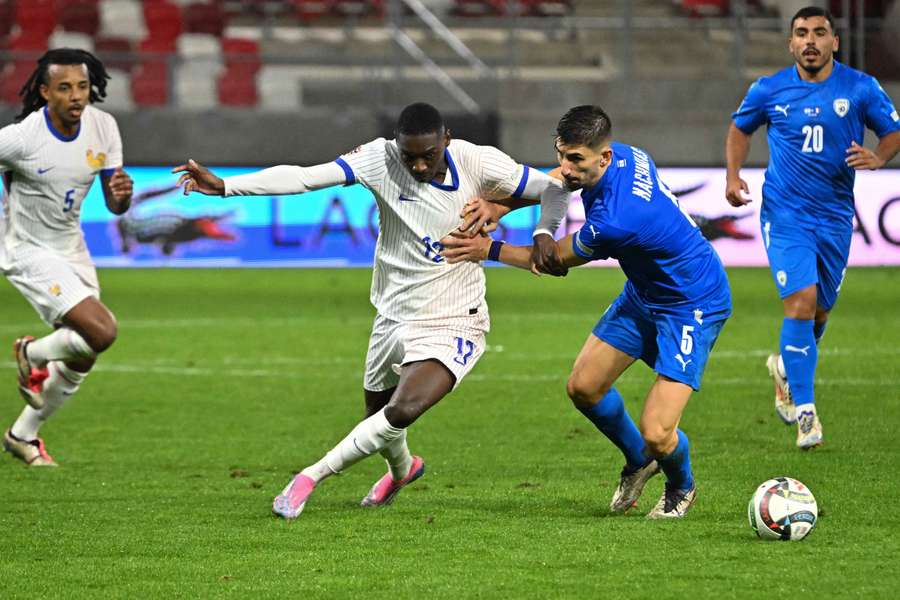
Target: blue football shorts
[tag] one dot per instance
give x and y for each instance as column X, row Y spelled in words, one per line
column 673, row 342
column 801, row 256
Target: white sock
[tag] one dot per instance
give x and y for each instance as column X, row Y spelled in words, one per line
column 367, row 438
column 808, row 407
column 62, row 383
column 62, row 344
column 398, row 458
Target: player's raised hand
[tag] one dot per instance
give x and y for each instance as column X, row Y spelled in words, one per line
column 860, row 157
column 459, row 247
column 120, row 185
column 197, row 178
column 545, row 257
column 735, row 190
column 479, row 216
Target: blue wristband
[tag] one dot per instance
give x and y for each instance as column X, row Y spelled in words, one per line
column 494, row 252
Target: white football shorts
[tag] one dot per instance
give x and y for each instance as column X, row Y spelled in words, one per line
column 457, row 343
column 52, row 283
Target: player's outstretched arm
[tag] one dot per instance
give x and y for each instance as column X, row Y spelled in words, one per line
column 860, row 157
column 197, row 178
column 117, row 191
column 737, row 147
column 274, row 181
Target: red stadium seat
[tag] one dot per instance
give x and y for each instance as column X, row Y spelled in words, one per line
column 204, row 18
column 163, row 20
column 150, row 83
column 80, row 15
column 36, row 17
column 237, row 88
column 479, row 8
column 7, row 17
column 706, row 8
column 241, row 53
column 12, row 78
column 116, row 53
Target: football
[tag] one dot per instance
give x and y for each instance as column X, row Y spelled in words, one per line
column 782, row 509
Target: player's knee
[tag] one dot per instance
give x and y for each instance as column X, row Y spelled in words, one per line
column 802, row 304
column 659, row 439
column 102, row 334
column 403, row 411
column 584, row 394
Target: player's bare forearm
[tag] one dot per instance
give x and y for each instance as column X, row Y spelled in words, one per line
column 737, row 148
column 888, row 146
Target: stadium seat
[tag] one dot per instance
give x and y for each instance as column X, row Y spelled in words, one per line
column 149, row 82
column 705, row 8
column 237, row 83
column 546, row 8
column 80, row 15
column 122, row 19
column 12, row 78
column 115, row 52
column 479, row 8
column 71, row 39
column 205, row 17
column 36, row 17
column 118, row 91
column 309, row 10
column 163, row 20
column 279, row 88
column 357, row 8
column 7, row 17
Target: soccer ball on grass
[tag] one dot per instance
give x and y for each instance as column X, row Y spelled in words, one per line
column 782, row 509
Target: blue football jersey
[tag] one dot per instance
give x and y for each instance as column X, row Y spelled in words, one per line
column 631, row 215
column 810, row 127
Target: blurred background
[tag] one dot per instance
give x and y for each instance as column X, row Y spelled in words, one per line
column 263, row 81
column 245, row 83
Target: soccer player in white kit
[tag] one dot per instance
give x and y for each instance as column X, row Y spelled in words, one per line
column 49, row 158
column 432, row 317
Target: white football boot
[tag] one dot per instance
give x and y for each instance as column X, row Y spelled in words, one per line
column 673, row 504
column 32, row 453
column 631, row 485
column 784, row 403
column 809, row 430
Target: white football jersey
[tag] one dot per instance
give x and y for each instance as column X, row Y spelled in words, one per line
column 410, row 280
column 47, row 176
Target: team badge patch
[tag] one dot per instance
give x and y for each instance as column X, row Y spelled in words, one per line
column 781, row 276
column 841, row 106
column 96, row 162
column 55, row 289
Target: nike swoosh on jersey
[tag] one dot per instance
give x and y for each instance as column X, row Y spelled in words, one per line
column 406, row 199
column 42, row 171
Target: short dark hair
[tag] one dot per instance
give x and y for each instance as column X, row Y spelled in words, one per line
column 813, row 11
column 420, row 118
column 585, row 125
column 30, row 92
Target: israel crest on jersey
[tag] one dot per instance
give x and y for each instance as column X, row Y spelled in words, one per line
column 841, row 106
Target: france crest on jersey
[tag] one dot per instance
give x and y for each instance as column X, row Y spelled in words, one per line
column 810, row 127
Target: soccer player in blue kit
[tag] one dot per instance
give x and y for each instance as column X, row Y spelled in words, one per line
column 816, row 112
column 674, row 304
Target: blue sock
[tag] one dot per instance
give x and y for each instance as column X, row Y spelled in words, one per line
column 819, row 330
column 677, row 465
column 799, row 354
column 610, row 417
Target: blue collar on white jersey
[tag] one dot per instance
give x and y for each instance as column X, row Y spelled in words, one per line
column 454, row 176
column 56, row 133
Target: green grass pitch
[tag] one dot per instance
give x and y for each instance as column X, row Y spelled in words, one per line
column 224, row 383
